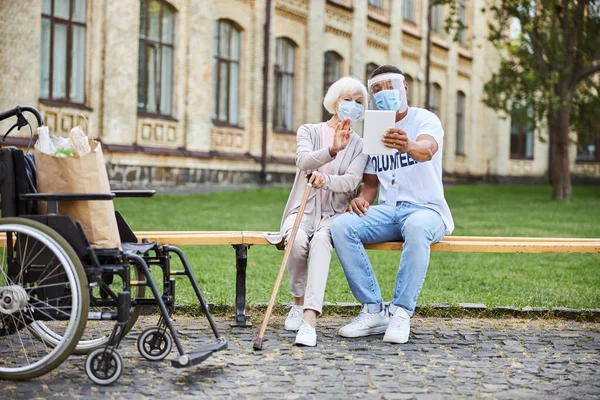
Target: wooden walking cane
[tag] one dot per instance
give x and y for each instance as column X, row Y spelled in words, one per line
column 288, row 249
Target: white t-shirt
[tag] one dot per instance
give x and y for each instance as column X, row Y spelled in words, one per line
column 418, row 182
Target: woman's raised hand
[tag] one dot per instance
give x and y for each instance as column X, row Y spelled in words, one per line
column 341, row 137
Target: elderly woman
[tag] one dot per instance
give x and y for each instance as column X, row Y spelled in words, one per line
column 333, row 152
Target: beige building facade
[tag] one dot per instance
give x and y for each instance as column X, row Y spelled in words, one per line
column 175, row 89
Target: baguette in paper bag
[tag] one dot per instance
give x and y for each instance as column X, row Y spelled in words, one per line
column 81, row 174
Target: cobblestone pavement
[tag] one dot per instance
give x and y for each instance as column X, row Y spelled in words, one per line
column 446, row 358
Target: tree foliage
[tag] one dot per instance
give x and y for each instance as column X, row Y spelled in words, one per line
column 547, row 45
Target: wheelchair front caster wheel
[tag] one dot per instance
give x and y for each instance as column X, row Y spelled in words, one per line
column 154, row 344
column 103, row 366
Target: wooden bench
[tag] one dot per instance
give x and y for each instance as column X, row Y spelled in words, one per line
column 242, row 240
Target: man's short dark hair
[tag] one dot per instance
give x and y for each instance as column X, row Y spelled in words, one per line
column 385, row 69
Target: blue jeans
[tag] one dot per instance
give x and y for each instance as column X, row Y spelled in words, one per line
column 418, row 226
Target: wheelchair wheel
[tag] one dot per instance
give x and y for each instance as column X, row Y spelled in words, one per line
column 154, row 344
column 41, row 279
column 98, row 332
column 103, row 366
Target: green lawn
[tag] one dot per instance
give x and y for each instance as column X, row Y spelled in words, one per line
column 539, row 280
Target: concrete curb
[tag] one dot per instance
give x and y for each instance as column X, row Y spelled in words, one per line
column 439, row 310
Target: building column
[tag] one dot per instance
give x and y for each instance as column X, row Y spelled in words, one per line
column 359, row 38
column 395, row 52
column 20, row 33
column 485, row 147
column 121, row 58
column 423, row 56
column 199, row 77
column 314, row 61
column 450, row 109
column 255, row 101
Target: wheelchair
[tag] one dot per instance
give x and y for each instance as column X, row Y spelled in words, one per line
column 59, row 295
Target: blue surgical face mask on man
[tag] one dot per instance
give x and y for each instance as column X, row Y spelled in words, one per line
column 350, row 109
column 388, row 100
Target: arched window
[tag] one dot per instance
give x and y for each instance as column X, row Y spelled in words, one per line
column 226, row 72
column 369, row 70
column 409, row 10
column 155, row 68
column 435, row 96
column 285, row 61
column 521, row 133
column 437, row 18
column 460, row 123
column 462, row 16
column 332, row 71
column 62, row 56
column 409, row 96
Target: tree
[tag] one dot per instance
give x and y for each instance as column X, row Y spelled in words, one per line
column 549, row 63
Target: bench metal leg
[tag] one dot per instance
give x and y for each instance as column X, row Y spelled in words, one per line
column 241, row 262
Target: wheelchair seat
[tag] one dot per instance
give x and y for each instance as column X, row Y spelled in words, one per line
column 138, row 248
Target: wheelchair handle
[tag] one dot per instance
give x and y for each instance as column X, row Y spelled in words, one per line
column 18, row 111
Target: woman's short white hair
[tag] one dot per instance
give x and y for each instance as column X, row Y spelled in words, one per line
column 342, row 87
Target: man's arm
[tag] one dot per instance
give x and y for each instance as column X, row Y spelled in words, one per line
column 420, row 150
column 423, row 149
column 367, row 191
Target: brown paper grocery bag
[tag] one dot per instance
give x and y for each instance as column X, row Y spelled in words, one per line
column 85, row 174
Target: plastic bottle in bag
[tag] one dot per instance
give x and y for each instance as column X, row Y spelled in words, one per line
column 44, row 144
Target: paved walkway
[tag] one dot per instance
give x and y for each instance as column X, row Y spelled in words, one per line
column 446, row 358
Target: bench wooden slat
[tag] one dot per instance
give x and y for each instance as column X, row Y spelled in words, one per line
column 475, row 244
column 256, row 237
column 500, row 247
column 193, row 237
column 467, row 244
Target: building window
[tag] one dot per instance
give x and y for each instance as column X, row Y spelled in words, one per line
column 62, row 58
column 437, row 18
column 409, row 96
column 331, row 73
column 376, row 3
column 462, row 17
column 226, row 72
column 435, row 96
column 155, row 68
column 589, row 150
column 460, row 123
column 369, row 70
column 408, row 12
column 521, row 135
column 285, row 61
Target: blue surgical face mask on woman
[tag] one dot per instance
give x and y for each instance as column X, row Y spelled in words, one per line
column 350, row 109
column 388, row 100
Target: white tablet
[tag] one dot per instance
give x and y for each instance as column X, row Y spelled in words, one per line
column 377, row 122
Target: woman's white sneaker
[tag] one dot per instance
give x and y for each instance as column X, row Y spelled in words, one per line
column 399, row 329
column 294, row 318
column 307, row 335
column 366, row 324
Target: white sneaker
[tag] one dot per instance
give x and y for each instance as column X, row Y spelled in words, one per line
column 399, row 328
column 294, row 318
column 366, row 324
column 307, row 335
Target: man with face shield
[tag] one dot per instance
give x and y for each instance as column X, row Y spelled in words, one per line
column 411, row 208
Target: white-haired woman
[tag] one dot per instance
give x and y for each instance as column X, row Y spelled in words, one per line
column 333, row 152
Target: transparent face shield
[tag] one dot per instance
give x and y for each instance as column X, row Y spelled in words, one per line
column 386, row 92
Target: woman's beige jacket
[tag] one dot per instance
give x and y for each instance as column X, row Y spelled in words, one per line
column 345, row 175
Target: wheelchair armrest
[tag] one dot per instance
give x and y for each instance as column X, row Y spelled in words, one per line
column 54, row 198
column 66, row 196
column 134, row 193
